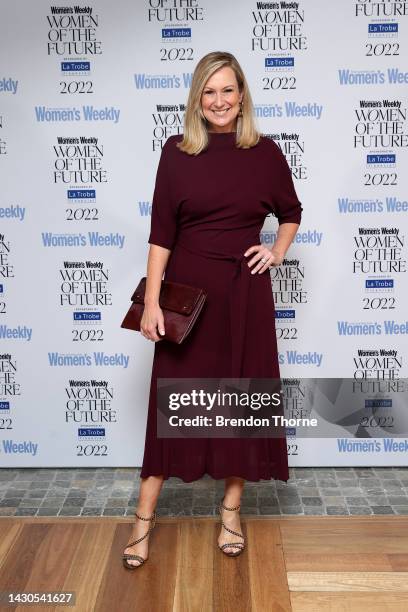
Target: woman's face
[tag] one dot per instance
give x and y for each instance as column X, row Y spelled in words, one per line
column 220, row 100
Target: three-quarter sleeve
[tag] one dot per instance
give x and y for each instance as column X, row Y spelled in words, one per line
column 286, row 205
column 163, row 226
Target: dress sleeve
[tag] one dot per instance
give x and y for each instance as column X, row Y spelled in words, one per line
column 286, row 205
column 163, row 225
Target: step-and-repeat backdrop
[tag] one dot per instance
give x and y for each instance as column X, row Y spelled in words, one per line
column 88, row 95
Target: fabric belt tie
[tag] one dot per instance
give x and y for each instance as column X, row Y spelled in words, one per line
column 238, row 301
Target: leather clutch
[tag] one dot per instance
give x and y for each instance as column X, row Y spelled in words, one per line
column 181, row 305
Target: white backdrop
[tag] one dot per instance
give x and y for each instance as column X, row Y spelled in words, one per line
column 88, row 96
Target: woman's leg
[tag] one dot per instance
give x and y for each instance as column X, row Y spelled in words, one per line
column 149, row 493
column 232, row 498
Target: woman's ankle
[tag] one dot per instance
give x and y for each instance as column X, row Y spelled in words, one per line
column 145, row 510
column 232, row 501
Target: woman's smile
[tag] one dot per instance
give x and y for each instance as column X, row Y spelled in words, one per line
column 221, row 112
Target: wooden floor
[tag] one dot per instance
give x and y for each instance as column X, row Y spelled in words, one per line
column 304, row 564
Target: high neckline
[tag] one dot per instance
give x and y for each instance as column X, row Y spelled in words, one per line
column 222, row 140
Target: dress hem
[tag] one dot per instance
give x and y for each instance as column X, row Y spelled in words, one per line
column 187, row 480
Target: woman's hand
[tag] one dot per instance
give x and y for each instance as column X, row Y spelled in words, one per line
column 152, row 320
column 263, row 258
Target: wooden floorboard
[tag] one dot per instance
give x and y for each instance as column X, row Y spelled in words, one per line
column 9, row 531
column 194, row 567
column 348, row 581
column 349, row 602
column 89, row 563
column 231, row 589
column 150, row 587
column 268, row 582
column 304, row 564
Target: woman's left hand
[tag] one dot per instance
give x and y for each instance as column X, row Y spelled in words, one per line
column 263, row 258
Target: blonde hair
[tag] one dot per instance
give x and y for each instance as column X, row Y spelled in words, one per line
column 195, row 137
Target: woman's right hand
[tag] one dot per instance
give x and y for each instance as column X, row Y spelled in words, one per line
column 152, row 321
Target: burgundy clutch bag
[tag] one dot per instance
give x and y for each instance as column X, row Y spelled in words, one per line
column 181, row 305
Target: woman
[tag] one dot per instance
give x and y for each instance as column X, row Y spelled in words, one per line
column 215, row 185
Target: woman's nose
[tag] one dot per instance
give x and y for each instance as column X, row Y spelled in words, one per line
column 219, row 99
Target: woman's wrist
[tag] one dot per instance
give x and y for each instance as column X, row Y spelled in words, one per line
column 278, row 253
column 151, row 301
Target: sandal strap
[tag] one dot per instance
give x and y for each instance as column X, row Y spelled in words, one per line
column 234, row 545
column 232, row 531
column 152, row 518
column 230, row 509
column 134, row 557
column 236, row 533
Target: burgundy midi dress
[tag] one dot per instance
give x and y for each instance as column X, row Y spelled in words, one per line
column 208, row 210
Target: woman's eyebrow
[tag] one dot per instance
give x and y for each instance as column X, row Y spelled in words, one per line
column 225, row 86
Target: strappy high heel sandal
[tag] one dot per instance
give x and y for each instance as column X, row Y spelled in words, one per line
column 141, row 560
column 239, row 545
